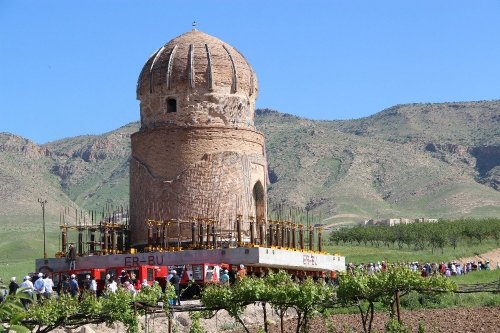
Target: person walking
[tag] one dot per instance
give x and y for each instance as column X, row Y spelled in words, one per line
column 49, row 286
column 130, row 288
column 64, row 285
column 112, row 285
column 144, row 284
column 107, row 281
column 242, row 273
column 13, row 286
column 72, row 257
column 124, row 277
column 93, row 286
column 28, row 289
column 175, row 281
column 86, row 283
column 74, row 289
column 224, row 278
column 39, row 287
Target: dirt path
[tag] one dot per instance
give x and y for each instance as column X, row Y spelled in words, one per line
column 493, row 256
column 456, row 320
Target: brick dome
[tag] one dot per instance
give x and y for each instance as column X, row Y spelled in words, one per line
column 208, row 81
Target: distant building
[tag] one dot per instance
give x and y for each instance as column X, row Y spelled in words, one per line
column 393, row 222
column 426, row 220
column 396, row 221
column 372, row 222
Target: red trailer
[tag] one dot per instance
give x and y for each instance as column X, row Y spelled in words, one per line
column 195, row 276
column 98, row 273
column 201, row 274
column 136, row 274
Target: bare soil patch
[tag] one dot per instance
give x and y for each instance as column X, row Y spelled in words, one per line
column 493, row 256
column 456, row 320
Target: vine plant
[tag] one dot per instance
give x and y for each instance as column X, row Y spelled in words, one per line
column 365, row 290
column 278, row 290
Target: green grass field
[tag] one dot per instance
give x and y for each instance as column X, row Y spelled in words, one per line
column 478, row 277
column 18, row 251
column 414, row 300
column 366, row 254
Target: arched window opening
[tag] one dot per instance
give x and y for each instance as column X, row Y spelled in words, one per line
column 171, row 105
column 259, row 199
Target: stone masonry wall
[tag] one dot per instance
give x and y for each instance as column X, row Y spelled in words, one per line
column 197, row 154
column 196, row 109
column 168, row 151
column 183, row 174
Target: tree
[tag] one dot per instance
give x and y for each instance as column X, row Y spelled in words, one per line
column 365, row 290
column 71, row 312
column 437, row 240
column 218, row 296
column 281, row 292
column 310, row 297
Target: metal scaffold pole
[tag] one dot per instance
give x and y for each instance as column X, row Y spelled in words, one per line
column 42, row 203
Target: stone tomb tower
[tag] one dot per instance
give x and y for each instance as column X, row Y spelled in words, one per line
column 197, row 153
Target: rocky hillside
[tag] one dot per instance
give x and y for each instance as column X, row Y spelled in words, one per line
column 25, row 176
column 93, row 170
column 456, row 133
column 435, row 160
column 439, row 160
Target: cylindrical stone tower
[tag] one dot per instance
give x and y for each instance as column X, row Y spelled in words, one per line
column 197, row 154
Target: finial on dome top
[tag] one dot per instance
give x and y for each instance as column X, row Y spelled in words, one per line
column 194, row 25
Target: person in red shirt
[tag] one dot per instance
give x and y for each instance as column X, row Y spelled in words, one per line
column 242, row 273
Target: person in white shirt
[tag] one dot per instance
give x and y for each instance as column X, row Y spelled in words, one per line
column 112, row 286
column 371, row 269
column 93, row 286
column 49, row 286
column 130, row 288
column 3, row 293
column 39, row 286
column 453, row 268
column 107, row 281
column 28, row 285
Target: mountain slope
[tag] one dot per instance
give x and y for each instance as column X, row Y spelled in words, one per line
column 94, row 169
column 439, row 160
column 467, row 124
column 465, row 134
column 25, row 177
column 339, row 171
column 418, row 160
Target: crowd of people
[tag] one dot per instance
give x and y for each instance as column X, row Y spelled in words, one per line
column 229, row 277
column 40, row 286
column 425, row 269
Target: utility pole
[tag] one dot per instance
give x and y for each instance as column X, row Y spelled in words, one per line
column 42, row 203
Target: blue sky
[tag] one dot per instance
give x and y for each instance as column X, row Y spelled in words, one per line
column 69, row 68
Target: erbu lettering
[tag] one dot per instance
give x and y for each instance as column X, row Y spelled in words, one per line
column 136, row 261
column 309, row 260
